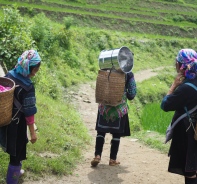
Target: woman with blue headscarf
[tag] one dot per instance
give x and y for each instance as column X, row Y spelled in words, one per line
column 182, row 98
column 13, row 137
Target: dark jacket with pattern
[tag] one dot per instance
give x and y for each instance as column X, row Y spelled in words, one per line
column 13, row 137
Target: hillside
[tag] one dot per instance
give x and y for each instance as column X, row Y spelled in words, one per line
column 178, row 19
column 69, row 35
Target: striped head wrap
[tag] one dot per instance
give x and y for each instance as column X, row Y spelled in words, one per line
column 188, row 60
column 27, row 59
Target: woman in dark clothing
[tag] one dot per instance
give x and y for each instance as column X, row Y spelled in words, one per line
column 13, row 137
column 114, row 120
column 182, row 98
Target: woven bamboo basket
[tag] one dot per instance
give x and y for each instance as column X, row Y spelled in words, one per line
column 109, row 87
column 6, row 101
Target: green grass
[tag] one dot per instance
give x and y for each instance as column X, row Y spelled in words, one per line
column 152, row 139
column 155, row 119
column 151, row 90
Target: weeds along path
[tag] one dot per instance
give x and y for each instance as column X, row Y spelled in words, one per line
column 139, row 164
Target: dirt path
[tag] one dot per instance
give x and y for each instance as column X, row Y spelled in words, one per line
column 139, row 164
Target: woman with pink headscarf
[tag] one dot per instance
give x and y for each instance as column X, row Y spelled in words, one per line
column 182, row 98
column 13, row 137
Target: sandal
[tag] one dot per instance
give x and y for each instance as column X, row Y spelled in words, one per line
column 113, row 162
column 95, row 161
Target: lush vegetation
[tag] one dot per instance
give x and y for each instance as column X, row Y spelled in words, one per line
column 69, row 35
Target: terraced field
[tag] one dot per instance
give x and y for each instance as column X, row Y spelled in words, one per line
column 142, row 17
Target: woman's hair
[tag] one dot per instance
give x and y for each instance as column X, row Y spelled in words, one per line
column 34, row 66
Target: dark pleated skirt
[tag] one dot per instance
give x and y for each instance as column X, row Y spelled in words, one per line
column 183, row 150
column 121, row 125
column 17, row 139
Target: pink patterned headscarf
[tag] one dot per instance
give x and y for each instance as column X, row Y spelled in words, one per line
column 27, row 59
column 188, row 59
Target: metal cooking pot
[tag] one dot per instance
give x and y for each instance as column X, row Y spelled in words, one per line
column 119, row 59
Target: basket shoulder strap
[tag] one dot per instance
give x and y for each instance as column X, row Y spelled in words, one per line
column 191, row 85
column 18, row 106
column 17, row 103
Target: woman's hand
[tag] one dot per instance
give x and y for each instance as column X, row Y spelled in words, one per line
column 178, row 80
column 32, row 134
column 33, row 137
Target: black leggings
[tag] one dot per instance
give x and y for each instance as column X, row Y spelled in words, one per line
column 20, row 152
column 14, row 161
column 189, row 174
column 100, row 140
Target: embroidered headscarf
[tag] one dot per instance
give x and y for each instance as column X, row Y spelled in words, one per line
column 27, row 59
column 188, row 59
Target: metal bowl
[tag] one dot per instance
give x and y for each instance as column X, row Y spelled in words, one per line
column 118, row 59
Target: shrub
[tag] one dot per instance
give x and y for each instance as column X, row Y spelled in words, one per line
column 46, row 82
column 41, row 32
column 178, row 18
column 71, row 59
column 15, row 36
column 63, row 37
column 68, row 22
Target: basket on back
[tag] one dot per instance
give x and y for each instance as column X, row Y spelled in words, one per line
column 109, row 87
column 6, row 101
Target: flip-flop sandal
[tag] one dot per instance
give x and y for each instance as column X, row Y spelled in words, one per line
column 95, row 162
column 113, row 162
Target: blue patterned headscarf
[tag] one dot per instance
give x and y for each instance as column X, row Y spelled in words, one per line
column 188, row 59
column 27, row 59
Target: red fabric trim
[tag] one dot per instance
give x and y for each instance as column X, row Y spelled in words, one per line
column 30, row 120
